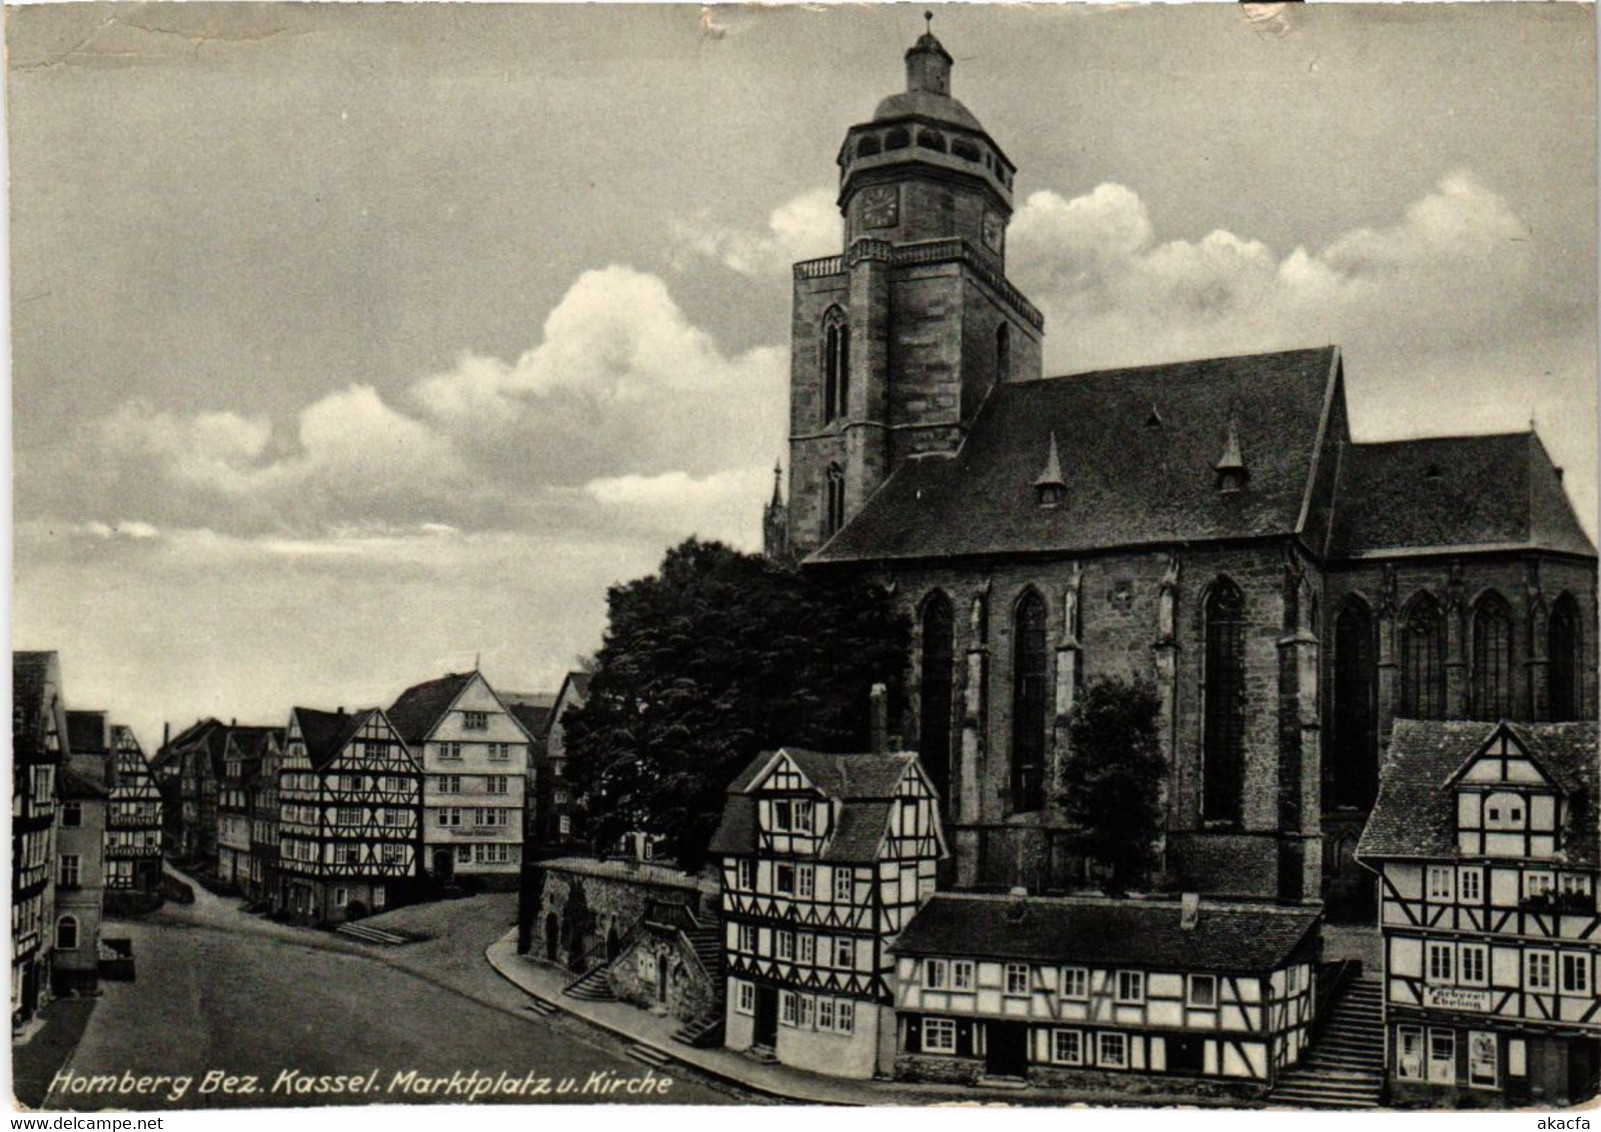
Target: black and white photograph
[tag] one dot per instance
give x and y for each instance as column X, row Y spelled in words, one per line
column 974, row 555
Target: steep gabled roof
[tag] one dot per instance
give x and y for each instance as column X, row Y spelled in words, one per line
column 863, row 785
column 420, row 707
column 579, row 682
column 1453, row 492
column 327, row 733
column 1416, row 811
column 1133, row 476
column 1100, row 931
column 31, row 675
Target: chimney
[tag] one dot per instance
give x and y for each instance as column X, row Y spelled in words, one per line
column 1189, row 911
column 234, row 722
column 1559, row 474
column 341, row 710
column 880, row 718
column 166, row 733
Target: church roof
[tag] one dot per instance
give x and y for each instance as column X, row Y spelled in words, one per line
column 1416, row 811
column 1456, row 492
column 1138, row 453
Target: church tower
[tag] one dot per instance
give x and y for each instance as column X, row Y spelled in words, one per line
column 896, row 342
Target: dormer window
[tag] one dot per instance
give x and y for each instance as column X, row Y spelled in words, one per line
column 1232, row 474
column 1049, row 489
column 793, row 815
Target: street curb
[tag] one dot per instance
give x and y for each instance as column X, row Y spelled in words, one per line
column 618, row 1031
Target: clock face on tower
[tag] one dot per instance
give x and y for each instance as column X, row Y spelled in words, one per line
column 881, row 206
column 994, row 231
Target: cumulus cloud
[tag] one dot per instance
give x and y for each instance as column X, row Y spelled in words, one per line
column 723, row 505
column 1454, row 269
column 804, row 227
column 618, row 386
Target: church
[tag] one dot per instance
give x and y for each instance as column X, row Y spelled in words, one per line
column 1210, row 526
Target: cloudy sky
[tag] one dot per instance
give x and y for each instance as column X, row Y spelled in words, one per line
column 351, row 343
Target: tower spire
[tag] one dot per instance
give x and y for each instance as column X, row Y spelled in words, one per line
column 928, row 64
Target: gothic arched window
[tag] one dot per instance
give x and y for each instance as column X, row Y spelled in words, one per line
column 1354, row 752
column 1490, row 695
column 1030, row 703
column 1565, row 651
column 1003, row 352
column 833, row 500
column 939, row 656
column 1223, row 745
column 836, row 365
column 1423, row 660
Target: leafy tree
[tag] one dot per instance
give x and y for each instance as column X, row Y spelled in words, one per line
column 719, row 656
column 1114, row 777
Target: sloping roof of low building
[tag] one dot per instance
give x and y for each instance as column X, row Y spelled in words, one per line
column 1452, row 492
column 1092, row 930
column 1416, row 811
column 624, row 869
column 420, row 707
column 1138, row 451
column 80, row 782
column 864, row 784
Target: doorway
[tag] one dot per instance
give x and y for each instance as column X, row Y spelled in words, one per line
column 552, row 936
column 1006, row 1051
column 661, row 979
column 766, row 1029
column 1186, row 1054
column 444, row 863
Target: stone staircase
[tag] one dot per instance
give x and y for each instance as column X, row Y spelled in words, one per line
column 1344, row 1069
column 705, row 1033
column 708, row 944
column 371, row 935
column 765, row 1054
column 592, row 987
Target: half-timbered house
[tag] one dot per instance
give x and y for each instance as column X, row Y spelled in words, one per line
column 532, row 710
column 261, row 795
column 825, row 858
column 1065, row 990
column 1485, row 840
column 474, row 758
column 38, row 740
column 557, row 803
column 133, row 825
column 349, row 801
column 233, row 812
